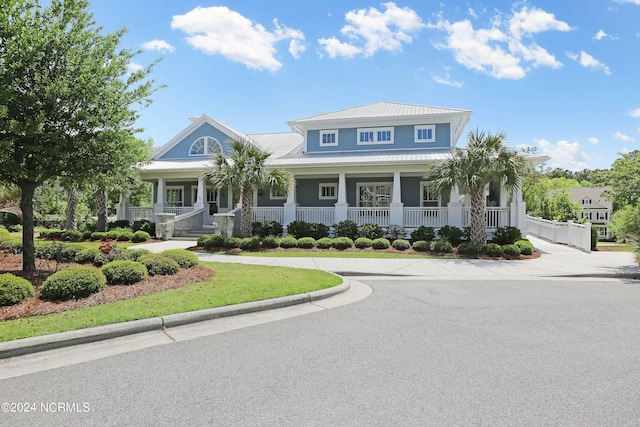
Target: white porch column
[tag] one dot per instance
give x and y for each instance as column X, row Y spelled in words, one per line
column 396, row 208
column 199, row 202
column 230, row 198
column 342, row 207
column 518, row 211
column 158, row 206
column 454, row 208
column 290, row 205
column 122, row 207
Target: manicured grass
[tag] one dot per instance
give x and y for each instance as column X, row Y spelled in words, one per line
column 232, row 284
column 334, row 254
column 615, row 247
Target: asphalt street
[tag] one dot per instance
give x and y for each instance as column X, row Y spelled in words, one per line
column 417, row 351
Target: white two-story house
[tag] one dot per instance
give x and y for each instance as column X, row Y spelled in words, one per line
column 596, row 207
column 366, row 164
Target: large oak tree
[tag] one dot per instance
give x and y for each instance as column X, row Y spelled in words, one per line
column 67, row 99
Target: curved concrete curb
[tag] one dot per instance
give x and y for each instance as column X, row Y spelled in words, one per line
column 32, row 345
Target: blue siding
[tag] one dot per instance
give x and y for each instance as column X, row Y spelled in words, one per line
column 308, row 192
column 181, row 149
column 264, row 199
column 404, row 138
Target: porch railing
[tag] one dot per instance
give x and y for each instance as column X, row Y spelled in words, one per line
column 139, row 213
column 178, row 210
column 268, row 214
column 493, row 217
column 379, row 216
column 316, row 215
column 430, row 217
column 566, row 233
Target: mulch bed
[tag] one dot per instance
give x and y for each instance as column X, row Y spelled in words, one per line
column 34, row 306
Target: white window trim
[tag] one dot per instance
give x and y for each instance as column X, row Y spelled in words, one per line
column 375, row 136
column 366, row 184
column 174, row 187
column 276, row 196
column 326, row 185
column 329, row 132
column 208, row 141
column 425, row 127
column 422, row 186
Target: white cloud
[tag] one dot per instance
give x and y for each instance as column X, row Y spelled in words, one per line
column 159, row 45
column 589, row 61
column 218, row 30
column 563, row 154
column 593, row 140
column 629, row 1
column 635, row 113
column 619, row 135
column 600, row 35
column 446, row 80
column 505, row 50
column 132, row 67
column 370, row 30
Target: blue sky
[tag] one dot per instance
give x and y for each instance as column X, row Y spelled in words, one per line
column 561, row 76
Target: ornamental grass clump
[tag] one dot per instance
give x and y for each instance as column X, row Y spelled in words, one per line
column 14, row 289
column 184, row 258
column 73, row 282
column 124, row 272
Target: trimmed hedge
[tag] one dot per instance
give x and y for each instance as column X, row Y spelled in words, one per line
column 307, row 243
column 288, row 242
column 232, row 242
column 140, row 236
column 159, row 265
column 87, row 256
column 249, row 243
column 14, row 289
column 363, row 242
column 270, row 242
column 184, row 258
column 421, row 246
column 511, row 250
column 324, row 243
column 211, row 241
column 342, row 243
column 73, row 282
column 491, row 249
column 381, row 243
column 124, row 272
column 401, row 244
column 134, row 254
column 468, row 249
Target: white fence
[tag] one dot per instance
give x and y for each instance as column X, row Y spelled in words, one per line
column 566, row 233
column 430, row 217
column 316, row 215
column 379, row 216
column 268, row 214
column 493, row 217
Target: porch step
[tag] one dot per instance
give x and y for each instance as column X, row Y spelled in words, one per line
column 193, row 234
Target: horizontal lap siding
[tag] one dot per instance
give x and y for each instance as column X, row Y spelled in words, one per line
column 181, row 150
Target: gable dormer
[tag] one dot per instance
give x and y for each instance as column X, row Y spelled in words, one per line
column 382, row 126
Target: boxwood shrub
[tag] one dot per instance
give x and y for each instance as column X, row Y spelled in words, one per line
column 124, row 272
column 423, row 233
column 363, row 242
column 73, row 282
column 511, row 250
column 140, row 236
column 232, row 242
column 250, row 243
column 324, row 243
column 526, row 247
column 443, row 246
column 288, row 242
column 99, row 235
column 421, row 246
column 211, row 241
column 134, row 254
column 401, row 244
column 451, row 233
column 370, row 231
column 159, row 265
column 87, row 256
column 184, row 258
column 307, row 243
column 346, row 228
column 506, row 235
column 381, row 243
column 468, row 249
column 491, row 249
column 267, row 228
column 270, row 242
column 14, row 289
column 342, row 243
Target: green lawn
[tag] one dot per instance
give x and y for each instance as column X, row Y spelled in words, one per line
column 615, row 247
column 331, row 254
column 232, row 284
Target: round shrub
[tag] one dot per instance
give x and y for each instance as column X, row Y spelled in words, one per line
column 423, row 233
column 270, row 242
column 68, row 252
column 134, row 254
column 380, row 243
column 86, row 235
column 421, row 246
column 342, row 243
column 49, row 250
column 346, row 228
column 99, row 235
column 267, row 228
column 124, row 272
column 307, row 243
column 451, row 233
column 71, row 235
column 14, row 289
column 232, row 242
column 526, row 247
column 401, row 244
column 250, row 243
column 370, row 231
column 324, row 243
column 318, row 230
column 511, row 250
column 288, row 242
column 211, row 241
column 184, row 258
column 140, row 236
column 125, row 236
column 506, row 235
column 491, row 249
column 87, row 256
column 159, row 265
column 443, row 246
column 395, row 231
column 73, row 282
column 363, row 242
column 468, row 249
column 299, row 229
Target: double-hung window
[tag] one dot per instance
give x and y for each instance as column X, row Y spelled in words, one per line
column 328, row 138
column 425, row 133
column 370, row 136
column 174, row 197
column 328, row 191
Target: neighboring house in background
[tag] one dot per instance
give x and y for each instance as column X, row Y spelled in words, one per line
column 366, row 164
column 596, row 207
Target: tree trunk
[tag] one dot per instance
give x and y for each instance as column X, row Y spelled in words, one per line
column 478, row 227
column 246, row 224
column 28, row 248
column 71, row 222
column 101, row 207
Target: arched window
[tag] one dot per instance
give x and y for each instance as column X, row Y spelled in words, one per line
column 204, row 146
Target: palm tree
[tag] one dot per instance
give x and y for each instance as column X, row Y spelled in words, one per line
column 245, row 171
column 486, row 160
